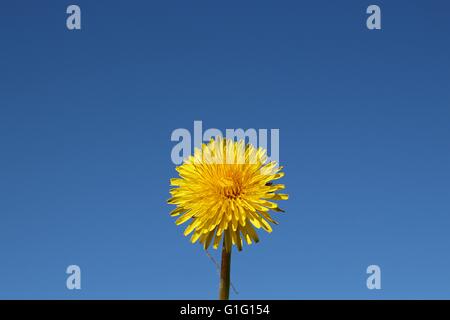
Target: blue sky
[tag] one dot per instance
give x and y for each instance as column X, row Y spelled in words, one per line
column 85, row 124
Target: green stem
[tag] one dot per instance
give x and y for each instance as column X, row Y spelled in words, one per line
column 224, row 289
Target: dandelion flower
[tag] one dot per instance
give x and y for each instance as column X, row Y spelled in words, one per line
column 225, row 191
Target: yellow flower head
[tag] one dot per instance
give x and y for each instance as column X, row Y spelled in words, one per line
column 224, row 189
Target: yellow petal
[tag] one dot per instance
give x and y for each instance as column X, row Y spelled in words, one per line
column 177, row 211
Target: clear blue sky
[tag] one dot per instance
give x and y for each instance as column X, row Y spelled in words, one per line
column 85, row 124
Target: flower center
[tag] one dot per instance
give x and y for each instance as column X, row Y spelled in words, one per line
column 229, row 188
